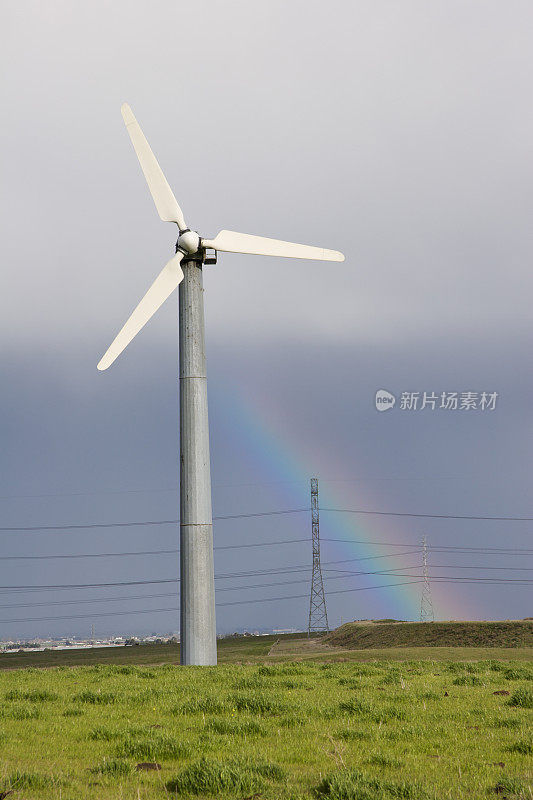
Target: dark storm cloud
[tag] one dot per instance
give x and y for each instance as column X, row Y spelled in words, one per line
column 124, row 437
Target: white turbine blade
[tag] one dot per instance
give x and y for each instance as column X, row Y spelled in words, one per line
column 161, row 288
column 232, row 242
column 165, row 202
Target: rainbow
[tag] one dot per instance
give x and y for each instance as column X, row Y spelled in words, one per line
column 280, row 460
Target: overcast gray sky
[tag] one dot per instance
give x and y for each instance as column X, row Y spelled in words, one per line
column 399, row 133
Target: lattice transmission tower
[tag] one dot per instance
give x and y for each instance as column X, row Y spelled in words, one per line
column 318, row 617
column 426, row 603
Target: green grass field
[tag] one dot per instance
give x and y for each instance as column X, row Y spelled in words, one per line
column 285, row 729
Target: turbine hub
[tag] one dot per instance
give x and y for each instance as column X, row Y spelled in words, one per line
column 188, row 242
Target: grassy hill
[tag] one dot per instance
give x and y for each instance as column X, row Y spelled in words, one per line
column 357, row 635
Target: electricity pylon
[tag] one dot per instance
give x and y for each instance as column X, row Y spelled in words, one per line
column 318, row 617
column 426, row 604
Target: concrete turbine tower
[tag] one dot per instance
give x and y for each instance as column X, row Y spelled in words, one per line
column 197, row 585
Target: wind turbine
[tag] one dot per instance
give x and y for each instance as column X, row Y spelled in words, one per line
column 197, row 585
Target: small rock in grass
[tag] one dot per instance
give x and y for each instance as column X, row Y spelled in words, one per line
column 500, row 788
column 148, row 765
column 509, row 788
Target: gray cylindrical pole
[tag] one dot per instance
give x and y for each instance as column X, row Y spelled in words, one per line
column 197, row 583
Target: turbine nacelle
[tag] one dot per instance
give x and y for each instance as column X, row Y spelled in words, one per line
column 188, row 242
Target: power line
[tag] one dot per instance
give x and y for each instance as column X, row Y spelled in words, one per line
column 160, row 594
column 241, row 574
column 427, row 516
column 128, row 598
column 261, row 514
column 224, row 576
column 41, row 603
column 443, row 548
column 253, row 573
column 152, row 552
column 344, row 576
column 456, row 578
column 246, row 574
column 159, row 610
column 474, row 566
column 485, row 550
column 172, row 594
column 232, row 603
column 89, row 555
column 29, row 528
column 230, row 485
column 84, row 494
column 454, row 566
